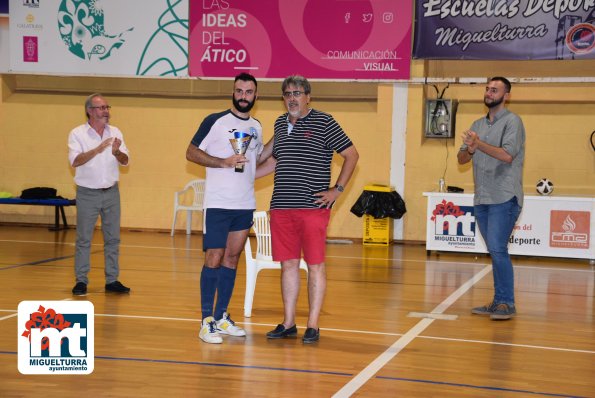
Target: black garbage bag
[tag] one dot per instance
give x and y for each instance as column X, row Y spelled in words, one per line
column 379, row 204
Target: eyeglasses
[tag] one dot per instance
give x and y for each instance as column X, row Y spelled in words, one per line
column 294, row 94
column 102, row 107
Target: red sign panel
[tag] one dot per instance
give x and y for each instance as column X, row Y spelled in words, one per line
column 570, row 229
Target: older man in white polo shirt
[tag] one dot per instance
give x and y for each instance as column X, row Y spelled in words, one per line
column 96, row 150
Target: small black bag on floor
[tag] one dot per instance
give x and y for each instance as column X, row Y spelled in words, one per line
column 39, row 193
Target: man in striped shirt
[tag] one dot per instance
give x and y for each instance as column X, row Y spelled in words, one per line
column 302, row 150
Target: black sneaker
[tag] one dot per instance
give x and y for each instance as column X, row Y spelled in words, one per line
column 280, row 332
column 116, row 287
column 80, row 289
column 311, row 336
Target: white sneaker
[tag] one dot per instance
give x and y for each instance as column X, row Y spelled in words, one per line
column 208, row 331
column 226, row 326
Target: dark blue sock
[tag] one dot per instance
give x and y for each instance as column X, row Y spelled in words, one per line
column 227, row 280
column 208, row 286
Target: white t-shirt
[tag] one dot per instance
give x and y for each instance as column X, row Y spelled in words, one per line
column 225, row 188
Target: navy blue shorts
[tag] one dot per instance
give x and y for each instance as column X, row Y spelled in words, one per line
column 220, row 222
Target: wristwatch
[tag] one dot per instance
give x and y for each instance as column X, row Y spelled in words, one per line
column 340, row 188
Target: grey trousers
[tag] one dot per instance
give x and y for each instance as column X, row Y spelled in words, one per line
column 90, row 204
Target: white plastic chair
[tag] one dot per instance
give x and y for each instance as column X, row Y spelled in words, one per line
column 263, row 259
column 198, row 186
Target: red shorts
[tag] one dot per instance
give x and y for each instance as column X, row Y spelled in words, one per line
column 294, row 230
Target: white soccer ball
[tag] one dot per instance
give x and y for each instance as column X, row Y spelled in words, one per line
column 544, row 187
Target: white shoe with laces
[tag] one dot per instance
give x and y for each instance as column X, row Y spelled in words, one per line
column 226, row 326
column 208, row 331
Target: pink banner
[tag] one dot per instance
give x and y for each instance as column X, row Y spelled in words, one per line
column 330, row 39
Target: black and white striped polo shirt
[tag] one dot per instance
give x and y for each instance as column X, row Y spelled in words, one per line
column 304, row 158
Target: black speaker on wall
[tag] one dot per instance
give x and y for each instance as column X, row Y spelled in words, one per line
column 440, row 118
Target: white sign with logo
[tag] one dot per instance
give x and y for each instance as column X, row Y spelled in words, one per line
column 107, row 37
column 56, row 337
column 550, row 226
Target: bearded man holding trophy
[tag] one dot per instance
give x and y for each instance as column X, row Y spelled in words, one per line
column 228, row 144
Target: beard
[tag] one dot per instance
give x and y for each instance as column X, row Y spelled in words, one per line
column 295, row 113
column 294, row 110
column 246, row 107
column 494, row 103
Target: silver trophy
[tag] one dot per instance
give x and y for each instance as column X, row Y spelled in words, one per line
column 240, row 144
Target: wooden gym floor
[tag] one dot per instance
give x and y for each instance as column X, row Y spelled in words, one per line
column 377, row 337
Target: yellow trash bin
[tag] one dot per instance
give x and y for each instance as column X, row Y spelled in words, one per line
column 377, row 231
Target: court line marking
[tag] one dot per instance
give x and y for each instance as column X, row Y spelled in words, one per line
column 443, row 317
column 539, row 347
column 441, row 262
column 100, row 244
column 478, row 387
column 328, row 256
column 38, row 262
column 16, row 312
column 8, row 316
column 369, row 371
column 353, row 331
column 269, row 368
